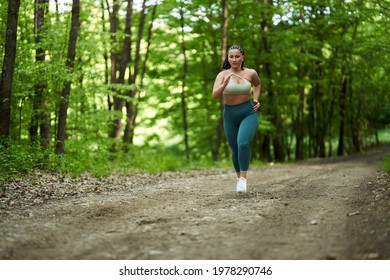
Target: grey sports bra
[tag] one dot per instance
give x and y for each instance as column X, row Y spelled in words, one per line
column 237, row 88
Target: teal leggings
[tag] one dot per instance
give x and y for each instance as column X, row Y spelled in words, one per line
column 240, row 124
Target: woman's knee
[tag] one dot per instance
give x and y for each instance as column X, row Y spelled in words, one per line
column 243, row 145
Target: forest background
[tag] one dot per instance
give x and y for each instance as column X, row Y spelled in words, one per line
column 123, row 86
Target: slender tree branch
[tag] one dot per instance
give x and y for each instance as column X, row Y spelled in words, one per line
column 382, row 6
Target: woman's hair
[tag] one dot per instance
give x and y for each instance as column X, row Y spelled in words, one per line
column 226, row 64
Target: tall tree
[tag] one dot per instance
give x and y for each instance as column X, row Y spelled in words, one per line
column 271, row 108
column 342, row 108
column 299, row 126
column 130, row 127
column 355, row 117
column 105, row 55
column 183, row 84
column 224, row 37
column 133, row 75
column 40, row 116
column 120, row 58
column 8, row 68
column 64, row 102
column 113, row 11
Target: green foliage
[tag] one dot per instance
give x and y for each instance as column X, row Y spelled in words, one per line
column 22, row 158
column 296, row 46
column 3, row 23
column 98, row 160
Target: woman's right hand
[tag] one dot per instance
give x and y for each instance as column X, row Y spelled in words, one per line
column 226, row 80
column 220, row 83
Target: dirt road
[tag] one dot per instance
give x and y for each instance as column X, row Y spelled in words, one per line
column 318, row 209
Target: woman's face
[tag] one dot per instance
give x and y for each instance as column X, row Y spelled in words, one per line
column 235, row 58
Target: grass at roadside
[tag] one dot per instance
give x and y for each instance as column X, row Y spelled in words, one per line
column 386, row 164
column 21, row 158
column 18, row 159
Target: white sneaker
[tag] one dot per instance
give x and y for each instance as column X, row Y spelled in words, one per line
column 241, row 185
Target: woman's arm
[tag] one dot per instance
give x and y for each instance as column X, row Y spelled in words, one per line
column 256, row 86
column 219, row 85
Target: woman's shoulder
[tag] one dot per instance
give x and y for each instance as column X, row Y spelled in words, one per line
column 223, row 72
column 252, row 76
column 252, row 73
column 250, row 70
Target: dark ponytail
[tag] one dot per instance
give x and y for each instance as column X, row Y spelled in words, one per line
column 226, row 64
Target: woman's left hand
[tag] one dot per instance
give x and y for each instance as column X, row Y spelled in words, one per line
column 256, row 105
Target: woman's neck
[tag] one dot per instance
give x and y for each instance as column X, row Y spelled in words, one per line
column 236, row 70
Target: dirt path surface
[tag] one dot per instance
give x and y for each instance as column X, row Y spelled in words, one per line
column 318, row 209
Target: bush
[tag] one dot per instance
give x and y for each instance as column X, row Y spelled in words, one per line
column 16, row 159
column 98, row 160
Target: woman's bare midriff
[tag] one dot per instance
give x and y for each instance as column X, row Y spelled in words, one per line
column 236, row 99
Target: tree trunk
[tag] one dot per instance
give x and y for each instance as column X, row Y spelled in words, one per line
column 330, row 123
column 40, row 116
column 356, row 119
column 332, row 97
column 130, row 126
column 64, row 102
column 312, row 151
column 116, row 128
column 219, row 130
column 183, row 88
column 130, row 105
column 119, row 62
column 7, row 72
column 342, row 100
column 334, row 79
column 128, row 136
column 266, row 148
column 277, row 137
column 319, row 108
column 300, row 118
column 105, row 57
